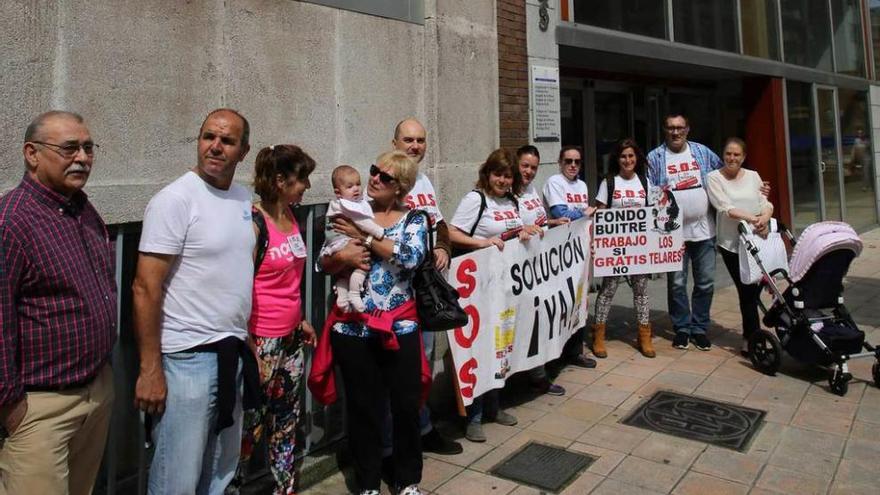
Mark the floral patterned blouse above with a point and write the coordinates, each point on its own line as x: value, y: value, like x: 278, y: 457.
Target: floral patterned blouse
x: 389, y: 283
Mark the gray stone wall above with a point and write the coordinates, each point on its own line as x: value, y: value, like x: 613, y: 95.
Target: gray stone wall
x: 144, y: 73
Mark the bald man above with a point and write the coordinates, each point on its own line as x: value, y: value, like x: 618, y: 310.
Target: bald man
x: 411, y: 138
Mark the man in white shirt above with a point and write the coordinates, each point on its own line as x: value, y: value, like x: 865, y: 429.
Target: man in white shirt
x: 192, y: 299
x: 683, y: 166
x: 411, y: 138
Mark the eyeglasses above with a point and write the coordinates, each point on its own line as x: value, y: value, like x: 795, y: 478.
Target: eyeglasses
x: 676, y: 129
x: 569, y: 161
x: 69, y: 151
x: 384, y: 177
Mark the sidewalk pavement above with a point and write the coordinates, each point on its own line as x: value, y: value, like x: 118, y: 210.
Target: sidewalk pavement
x: 813, y: 442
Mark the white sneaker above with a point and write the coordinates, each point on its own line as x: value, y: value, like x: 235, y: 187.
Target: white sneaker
x: 411, y: 490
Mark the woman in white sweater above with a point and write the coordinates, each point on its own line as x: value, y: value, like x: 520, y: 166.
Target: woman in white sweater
x: 735, y: 193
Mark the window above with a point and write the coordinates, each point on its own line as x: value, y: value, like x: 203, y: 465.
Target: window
x: 849, y: 47
x: 708, y: 23
x: 645, y: 17
x: 403, y: 10
x: 874, y: 8
x: 760, y: 28
x: 806, y: 33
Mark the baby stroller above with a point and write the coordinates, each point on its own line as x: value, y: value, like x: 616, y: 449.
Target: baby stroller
x: 811, y: 322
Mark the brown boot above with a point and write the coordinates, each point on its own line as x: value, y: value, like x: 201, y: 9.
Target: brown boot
x: 645, y: 345
x: 599, y: 340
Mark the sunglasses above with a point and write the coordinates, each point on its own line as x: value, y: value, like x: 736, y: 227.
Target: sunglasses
x: 384, y: 177
x: 569, y: 161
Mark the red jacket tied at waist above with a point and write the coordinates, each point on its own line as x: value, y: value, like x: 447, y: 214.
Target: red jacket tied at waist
x: 322, y: 381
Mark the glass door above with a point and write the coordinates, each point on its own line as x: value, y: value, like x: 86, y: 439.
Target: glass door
x: 611, y: 122
x: 829, y: 153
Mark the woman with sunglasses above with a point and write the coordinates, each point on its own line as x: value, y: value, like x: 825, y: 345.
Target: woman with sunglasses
x: 486, y: 217
x: 568, y: 197
x: 379, y: 363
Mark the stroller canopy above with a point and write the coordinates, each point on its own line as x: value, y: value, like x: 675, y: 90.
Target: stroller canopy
x: 819, y: 239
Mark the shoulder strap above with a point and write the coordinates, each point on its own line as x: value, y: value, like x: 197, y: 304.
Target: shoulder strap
x: 262, y: 238
x: 479, y: 212
x: 609, y: 185
x: 644, y: 180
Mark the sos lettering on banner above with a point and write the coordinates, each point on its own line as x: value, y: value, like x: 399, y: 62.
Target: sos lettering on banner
x: 523, y: 304
x: 635, y: 241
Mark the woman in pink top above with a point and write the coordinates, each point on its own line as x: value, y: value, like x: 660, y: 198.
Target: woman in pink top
x: 281, y: 176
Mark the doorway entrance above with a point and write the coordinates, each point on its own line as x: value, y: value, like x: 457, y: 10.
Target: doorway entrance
x: 831, y: 166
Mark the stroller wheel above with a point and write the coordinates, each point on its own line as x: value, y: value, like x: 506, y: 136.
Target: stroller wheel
x: 839, y: 386
x: 765, y: 352
x: 875, y: 370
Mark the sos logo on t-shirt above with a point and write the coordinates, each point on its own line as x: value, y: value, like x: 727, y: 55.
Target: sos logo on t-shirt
x: 683, y: 171
x: 628, y: 198
x: 574, y: 198
x: 423, y: 197
x: 509, y: 218
x: 533, y: 209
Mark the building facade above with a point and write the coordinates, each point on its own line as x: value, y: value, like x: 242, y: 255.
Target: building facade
x: 796, y: 79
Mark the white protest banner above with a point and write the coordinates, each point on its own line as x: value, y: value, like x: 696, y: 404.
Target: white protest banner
x: 523, y: 302
x: 634, y: 241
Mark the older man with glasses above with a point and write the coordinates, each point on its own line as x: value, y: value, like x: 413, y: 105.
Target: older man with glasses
x: 683, y: 165
x: 58, y: 316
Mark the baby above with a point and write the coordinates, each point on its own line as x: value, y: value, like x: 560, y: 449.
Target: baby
x: 350, y: 204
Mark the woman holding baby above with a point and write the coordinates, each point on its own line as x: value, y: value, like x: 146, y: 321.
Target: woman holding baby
x: 379, y: 350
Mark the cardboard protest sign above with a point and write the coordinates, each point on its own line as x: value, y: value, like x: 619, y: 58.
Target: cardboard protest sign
x: 523, y: 302
x: 635, y: 241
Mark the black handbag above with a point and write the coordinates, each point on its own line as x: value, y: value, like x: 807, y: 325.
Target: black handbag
x: 436, y: 300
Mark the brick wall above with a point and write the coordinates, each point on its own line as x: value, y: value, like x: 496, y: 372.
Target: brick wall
x: 513, y: 74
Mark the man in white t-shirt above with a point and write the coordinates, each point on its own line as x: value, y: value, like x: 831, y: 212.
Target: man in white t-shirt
x: 192, y: 299
x: 411, y: 138
x: 683, y: 166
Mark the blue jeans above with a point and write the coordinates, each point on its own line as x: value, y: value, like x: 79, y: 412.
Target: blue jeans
x: 692, y: 317
x: 190, y: 458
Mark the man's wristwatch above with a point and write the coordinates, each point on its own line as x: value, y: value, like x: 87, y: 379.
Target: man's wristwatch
x: 368, y: 243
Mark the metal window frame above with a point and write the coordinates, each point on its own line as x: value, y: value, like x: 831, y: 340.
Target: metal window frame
x: 412, y: 11
x: 613, y: 41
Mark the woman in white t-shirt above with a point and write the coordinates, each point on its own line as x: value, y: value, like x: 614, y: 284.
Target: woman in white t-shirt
x: 565, y: 194
x: 486, y: 217
x: 735, y: 193
x: 628, y: 190
x: 532, y: 212
x: 567, y: 197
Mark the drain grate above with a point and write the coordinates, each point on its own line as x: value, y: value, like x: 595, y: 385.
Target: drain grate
x: 695, y: 418
x: 543, y: 466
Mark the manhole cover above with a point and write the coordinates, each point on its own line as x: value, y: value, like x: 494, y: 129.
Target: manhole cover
x: 542, y: 466
x: 695, y: 418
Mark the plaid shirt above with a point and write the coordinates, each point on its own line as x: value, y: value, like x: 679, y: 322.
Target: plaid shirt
x: 57, y: 291
x: 706, y: 158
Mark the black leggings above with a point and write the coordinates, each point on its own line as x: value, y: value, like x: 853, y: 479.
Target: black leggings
x: 370, y: 376
x: 748, y: 294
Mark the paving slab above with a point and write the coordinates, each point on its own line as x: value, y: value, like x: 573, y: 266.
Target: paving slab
x: 812, y: 441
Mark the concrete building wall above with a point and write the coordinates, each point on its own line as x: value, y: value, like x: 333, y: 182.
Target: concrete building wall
x: 543, y: 51
x: 144, y: 74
